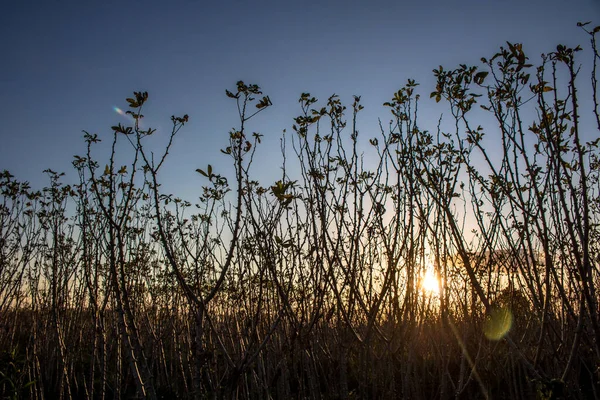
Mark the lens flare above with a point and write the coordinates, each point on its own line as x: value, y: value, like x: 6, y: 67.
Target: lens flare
x: 122, y: 113
x: 498, y: 323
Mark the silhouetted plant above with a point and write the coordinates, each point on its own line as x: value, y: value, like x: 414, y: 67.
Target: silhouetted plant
x: 312, y: 286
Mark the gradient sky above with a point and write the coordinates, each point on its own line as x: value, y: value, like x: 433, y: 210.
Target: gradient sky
x: 66, y: 64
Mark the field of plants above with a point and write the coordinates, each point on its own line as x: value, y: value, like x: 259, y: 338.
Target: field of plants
x: 411, y: 264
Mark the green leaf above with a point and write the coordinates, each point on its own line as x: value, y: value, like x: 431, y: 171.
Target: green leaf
x: 201, y: 172
x: 28, y: 384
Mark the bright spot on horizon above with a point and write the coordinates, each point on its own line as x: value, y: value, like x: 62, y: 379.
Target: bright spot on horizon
x: 430, y: 283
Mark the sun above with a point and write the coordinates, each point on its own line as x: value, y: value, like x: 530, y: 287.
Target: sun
x: 430, y: 284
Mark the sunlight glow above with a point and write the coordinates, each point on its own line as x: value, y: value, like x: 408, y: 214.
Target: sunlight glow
x: 430, y: 284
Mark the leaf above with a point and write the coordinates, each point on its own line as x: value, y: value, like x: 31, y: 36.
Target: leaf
x: 511, y: 47
x: 28, y: 384
x: 257, y: 136
x: 201, y: 172
x: 480, y: 77
x: 265, y: 102
x: 107, y: 170
x: 547, y: 89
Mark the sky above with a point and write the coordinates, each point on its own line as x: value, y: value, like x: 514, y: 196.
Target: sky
x: 65, y: 65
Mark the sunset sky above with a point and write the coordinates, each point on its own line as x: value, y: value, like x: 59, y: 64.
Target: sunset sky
x: 65, y: 65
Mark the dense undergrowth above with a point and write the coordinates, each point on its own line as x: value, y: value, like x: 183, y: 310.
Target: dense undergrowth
x: 312, y: 286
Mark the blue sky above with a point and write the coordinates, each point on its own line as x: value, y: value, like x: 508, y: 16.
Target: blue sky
x: 66, y: 64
